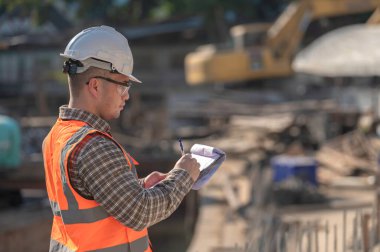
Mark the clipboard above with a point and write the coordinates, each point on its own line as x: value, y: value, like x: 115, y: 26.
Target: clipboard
x: 210, y: 159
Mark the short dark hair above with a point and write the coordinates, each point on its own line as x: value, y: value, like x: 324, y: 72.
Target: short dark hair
x: 78, y: 80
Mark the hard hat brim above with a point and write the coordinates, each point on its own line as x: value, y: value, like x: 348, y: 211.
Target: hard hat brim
x: 133, y: 78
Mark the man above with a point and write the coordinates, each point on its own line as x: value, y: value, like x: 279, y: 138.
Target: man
x: 98, y: 202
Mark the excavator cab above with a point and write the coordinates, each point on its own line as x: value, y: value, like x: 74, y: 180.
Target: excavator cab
x: 249, y: 35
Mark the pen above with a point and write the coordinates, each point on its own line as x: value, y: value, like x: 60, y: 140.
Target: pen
x: 181, y: 145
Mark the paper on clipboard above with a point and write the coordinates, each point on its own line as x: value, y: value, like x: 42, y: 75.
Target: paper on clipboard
x: 210, y: 159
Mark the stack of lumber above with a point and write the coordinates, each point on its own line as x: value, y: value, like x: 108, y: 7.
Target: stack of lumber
x: 352, y: 154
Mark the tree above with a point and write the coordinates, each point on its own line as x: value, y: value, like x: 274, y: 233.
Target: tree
x: 34, y: 8
x: 218, y: 15
x: 213, y: 12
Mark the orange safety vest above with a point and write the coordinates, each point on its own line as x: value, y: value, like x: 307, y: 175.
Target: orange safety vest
x: 80, y: 224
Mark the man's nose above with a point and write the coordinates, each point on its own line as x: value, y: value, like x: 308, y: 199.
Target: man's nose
x: 125, y: 97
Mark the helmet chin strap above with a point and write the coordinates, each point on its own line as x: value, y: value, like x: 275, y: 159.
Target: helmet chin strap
x: 75, y: 66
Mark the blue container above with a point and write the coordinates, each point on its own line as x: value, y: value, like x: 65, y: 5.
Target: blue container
x: 302, y: 167
x: 10, y: 140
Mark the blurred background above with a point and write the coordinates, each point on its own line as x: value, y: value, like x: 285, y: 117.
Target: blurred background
x: 288, y: 89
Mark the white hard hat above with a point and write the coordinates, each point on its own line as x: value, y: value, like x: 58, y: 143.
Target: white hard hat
x: 102, y: 47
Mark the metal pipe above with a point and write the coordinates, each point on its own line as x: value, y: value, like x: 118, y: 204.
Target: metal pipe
x: 300, y: 240
x: 378, y: 202
x: 335, y: 238
x: 316, y: 234
x: 373, y: 227
x: 344, y: 230
x: 286, y: 236
x: 327, y: 236
x: 309, y: 237
x: 278, y: 240
x: 354, y: 235
x: 365, y: 232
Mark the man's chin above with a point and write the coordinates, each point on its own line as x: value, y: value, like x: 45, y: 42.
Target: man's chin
x: 116, y: 115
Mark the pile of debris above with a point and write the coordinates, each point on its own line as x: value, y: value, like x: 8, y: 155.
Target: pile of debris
x: 349, y: 160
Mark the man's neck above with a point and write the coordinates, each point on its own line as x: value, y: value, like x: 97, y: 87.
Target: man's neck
x: 73, y: 103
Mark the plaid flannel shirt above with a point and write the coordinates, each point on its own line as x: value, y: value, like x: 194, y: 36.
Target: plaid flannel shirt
x: 98, y: 170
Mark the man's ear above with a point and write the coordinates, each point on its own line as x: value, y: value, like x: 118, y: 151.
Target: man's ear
x: 93, y: 87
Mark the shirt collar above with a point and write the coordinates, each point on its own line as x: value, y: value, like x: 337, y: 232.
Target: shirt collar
x: 94, y: 121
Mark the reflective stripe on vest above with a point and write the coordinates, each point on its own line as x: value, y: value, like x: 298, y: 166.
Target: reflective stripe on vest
x: 74, y: 216
x: 138, y: 245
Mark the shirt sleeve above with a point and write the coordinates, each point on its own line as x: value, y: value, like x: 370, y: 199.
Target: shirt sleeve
x: 141, y: 182
x: 107, y: 177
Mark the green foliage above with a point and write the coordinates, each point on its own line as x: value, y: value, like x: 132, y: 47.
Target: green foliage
x: 129, y: 12
x: 134, y: 11
x: 27, y: 4
x: 89, y: 9
x: 35, y: 8
x: 194, y: 7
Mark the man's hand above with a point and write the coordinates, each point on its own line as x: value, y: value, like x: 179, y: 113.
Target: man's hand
x: 189, y: 164
x: 153, y: 178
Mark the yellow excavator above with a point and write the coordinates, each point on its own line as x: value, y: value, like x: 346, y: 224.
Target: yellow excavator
x: 262, y: 50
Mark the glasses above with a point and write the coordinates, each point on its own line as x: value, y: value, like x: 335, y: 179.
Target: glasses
x: 122, y: 88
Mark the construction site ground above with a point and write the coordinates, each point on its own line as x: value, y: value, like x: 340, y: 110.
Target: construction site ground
x: 222, y: 227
